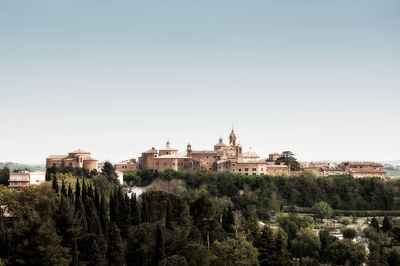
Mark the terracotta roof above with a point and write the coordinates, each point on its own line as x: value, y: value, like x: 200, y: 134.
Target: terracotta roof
x: 172, y: 156
x: 205, y: 151
x: 250, y: 154
x: 57, y: 157
x: 151, y: 151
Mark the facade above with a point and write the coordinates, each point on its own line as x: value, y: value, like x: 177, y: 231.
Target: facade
x: 19, y: 180
x: 224, y: 157
x: 77, y: 158
x: 363, y: 169
x: 356, y: 169
x: 130, y: 165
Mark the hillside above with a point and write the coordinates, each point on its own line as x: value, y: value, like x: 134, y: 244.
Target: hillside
x: 392, y: 170
x: 13, y: 166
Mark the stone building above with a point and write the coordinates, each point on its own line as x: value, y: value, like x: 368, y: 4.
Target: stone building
x: 224, y: 157
x: 130, y: 165
x: 363, y: 169
x: 77, y: 158
x: 19, y: 179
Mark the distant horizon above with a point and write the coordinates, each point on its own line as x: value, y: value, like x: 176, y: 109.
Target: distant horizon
x: 319, y: 78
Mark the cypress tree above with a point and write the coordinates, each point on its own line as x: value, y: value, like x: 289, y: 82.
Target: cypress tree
x: 55, y: 183
x: 228, y: 220
x: 103, y: 216
x: 168, y: 216
x: 265, y: 245
x: 115, y: 252
x: 70, y: 196
x: 96, y: 198
x: 124, y: 213
x: 375, y: 224
x: 77, y: 194
x: 387, y: 224
x: 159, y: 252
x: 135, y: 214
x: 63, y: 189
x: 84, y: 190
x: 114, y: 207
x: 90, y: 192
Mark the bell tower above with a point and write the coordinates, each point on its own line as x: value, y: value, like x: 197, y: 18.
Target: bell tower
x: 232, y: 138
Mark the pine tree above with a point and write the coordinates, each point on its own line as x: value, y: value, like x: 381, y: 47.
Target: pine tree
x: 159, y: 252
x: 63, y: 189
x: 37, y: 243
x: 115, y: 252
x: 265, y: 245
x: 55, y: 183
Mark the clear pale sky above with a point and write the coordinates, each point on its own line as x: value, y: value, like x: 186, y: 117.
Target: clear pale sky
x: 115, y: 77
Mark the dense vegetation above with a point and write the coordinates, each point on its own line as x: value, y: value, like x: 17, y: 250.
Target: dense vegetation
x: 202, y: 218
x: 266, y: 193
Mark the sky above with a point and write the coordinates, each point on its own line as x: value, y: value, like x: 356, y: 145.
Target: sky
x: 117, y: 77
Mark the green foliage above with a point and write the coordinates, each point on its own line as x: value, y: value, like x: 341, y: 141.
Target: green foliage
x: 37, y: 243
x: 287, y: 158
x: 235, y: 252
x: 306, y: 244
x: 375, y: 224
x: 115, y: 252
x: 349, y: 233
x: 345, y: 252
x: 4, y: 176
x: 322, y: 210
x: 174, y: 260
x: 387, y: 224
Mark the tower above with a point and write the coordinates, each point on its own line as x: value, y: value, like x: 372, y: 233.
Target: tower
x: 189, y: 150
x: 232, y: 138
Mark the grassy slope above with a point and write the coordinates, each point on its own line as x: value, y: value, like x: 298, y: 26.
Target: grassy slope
x: 13, y: 166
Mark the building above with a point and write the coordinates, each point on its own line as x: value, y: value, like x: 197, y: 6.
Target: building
x: 19, y: 179
x: 356, y: 169
x: 77, y: 158
x: 130, y: 165
x: 363, y: 169
x: 25, y: 178
x: 224, y: 157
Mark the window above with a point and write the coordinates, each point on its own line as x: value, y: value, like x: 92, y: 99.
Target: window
x: 165, y: 163
x: 240, y: 169
x: 254, y: 169
x: 254, y: 174
x: 167, y: 152
x: 246, y: 174
x: 262, y: 169
x: 246, y: 169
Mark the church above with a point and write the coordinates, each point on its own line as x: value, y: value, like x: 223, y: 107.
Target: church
x: 224, y: 157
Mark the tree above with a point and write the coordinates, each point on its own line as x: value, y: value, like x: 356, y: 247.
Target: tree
x: 235, y: 252
x: 109, y: 171
x: 375, y: 224
x: 322, y: 210
x: 196, y: 254
x: 387, y: 224
x: 4, y: 176
x: 55, y: 184
x: 349, y: 233
x: 228, y: 220
x: 159, y: 252
x: 287, y: 158
x: 345, y: 252
x: 174, y: 260
x: 70, y: 196
x: 37, y: 243
x: 265, y: 245
x: 306, y: 244
x: 63, y: 189
x: 115, y: 250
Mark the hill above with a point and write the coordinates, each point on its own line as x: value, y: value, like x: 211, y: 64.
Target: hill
x: 13, y: 166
